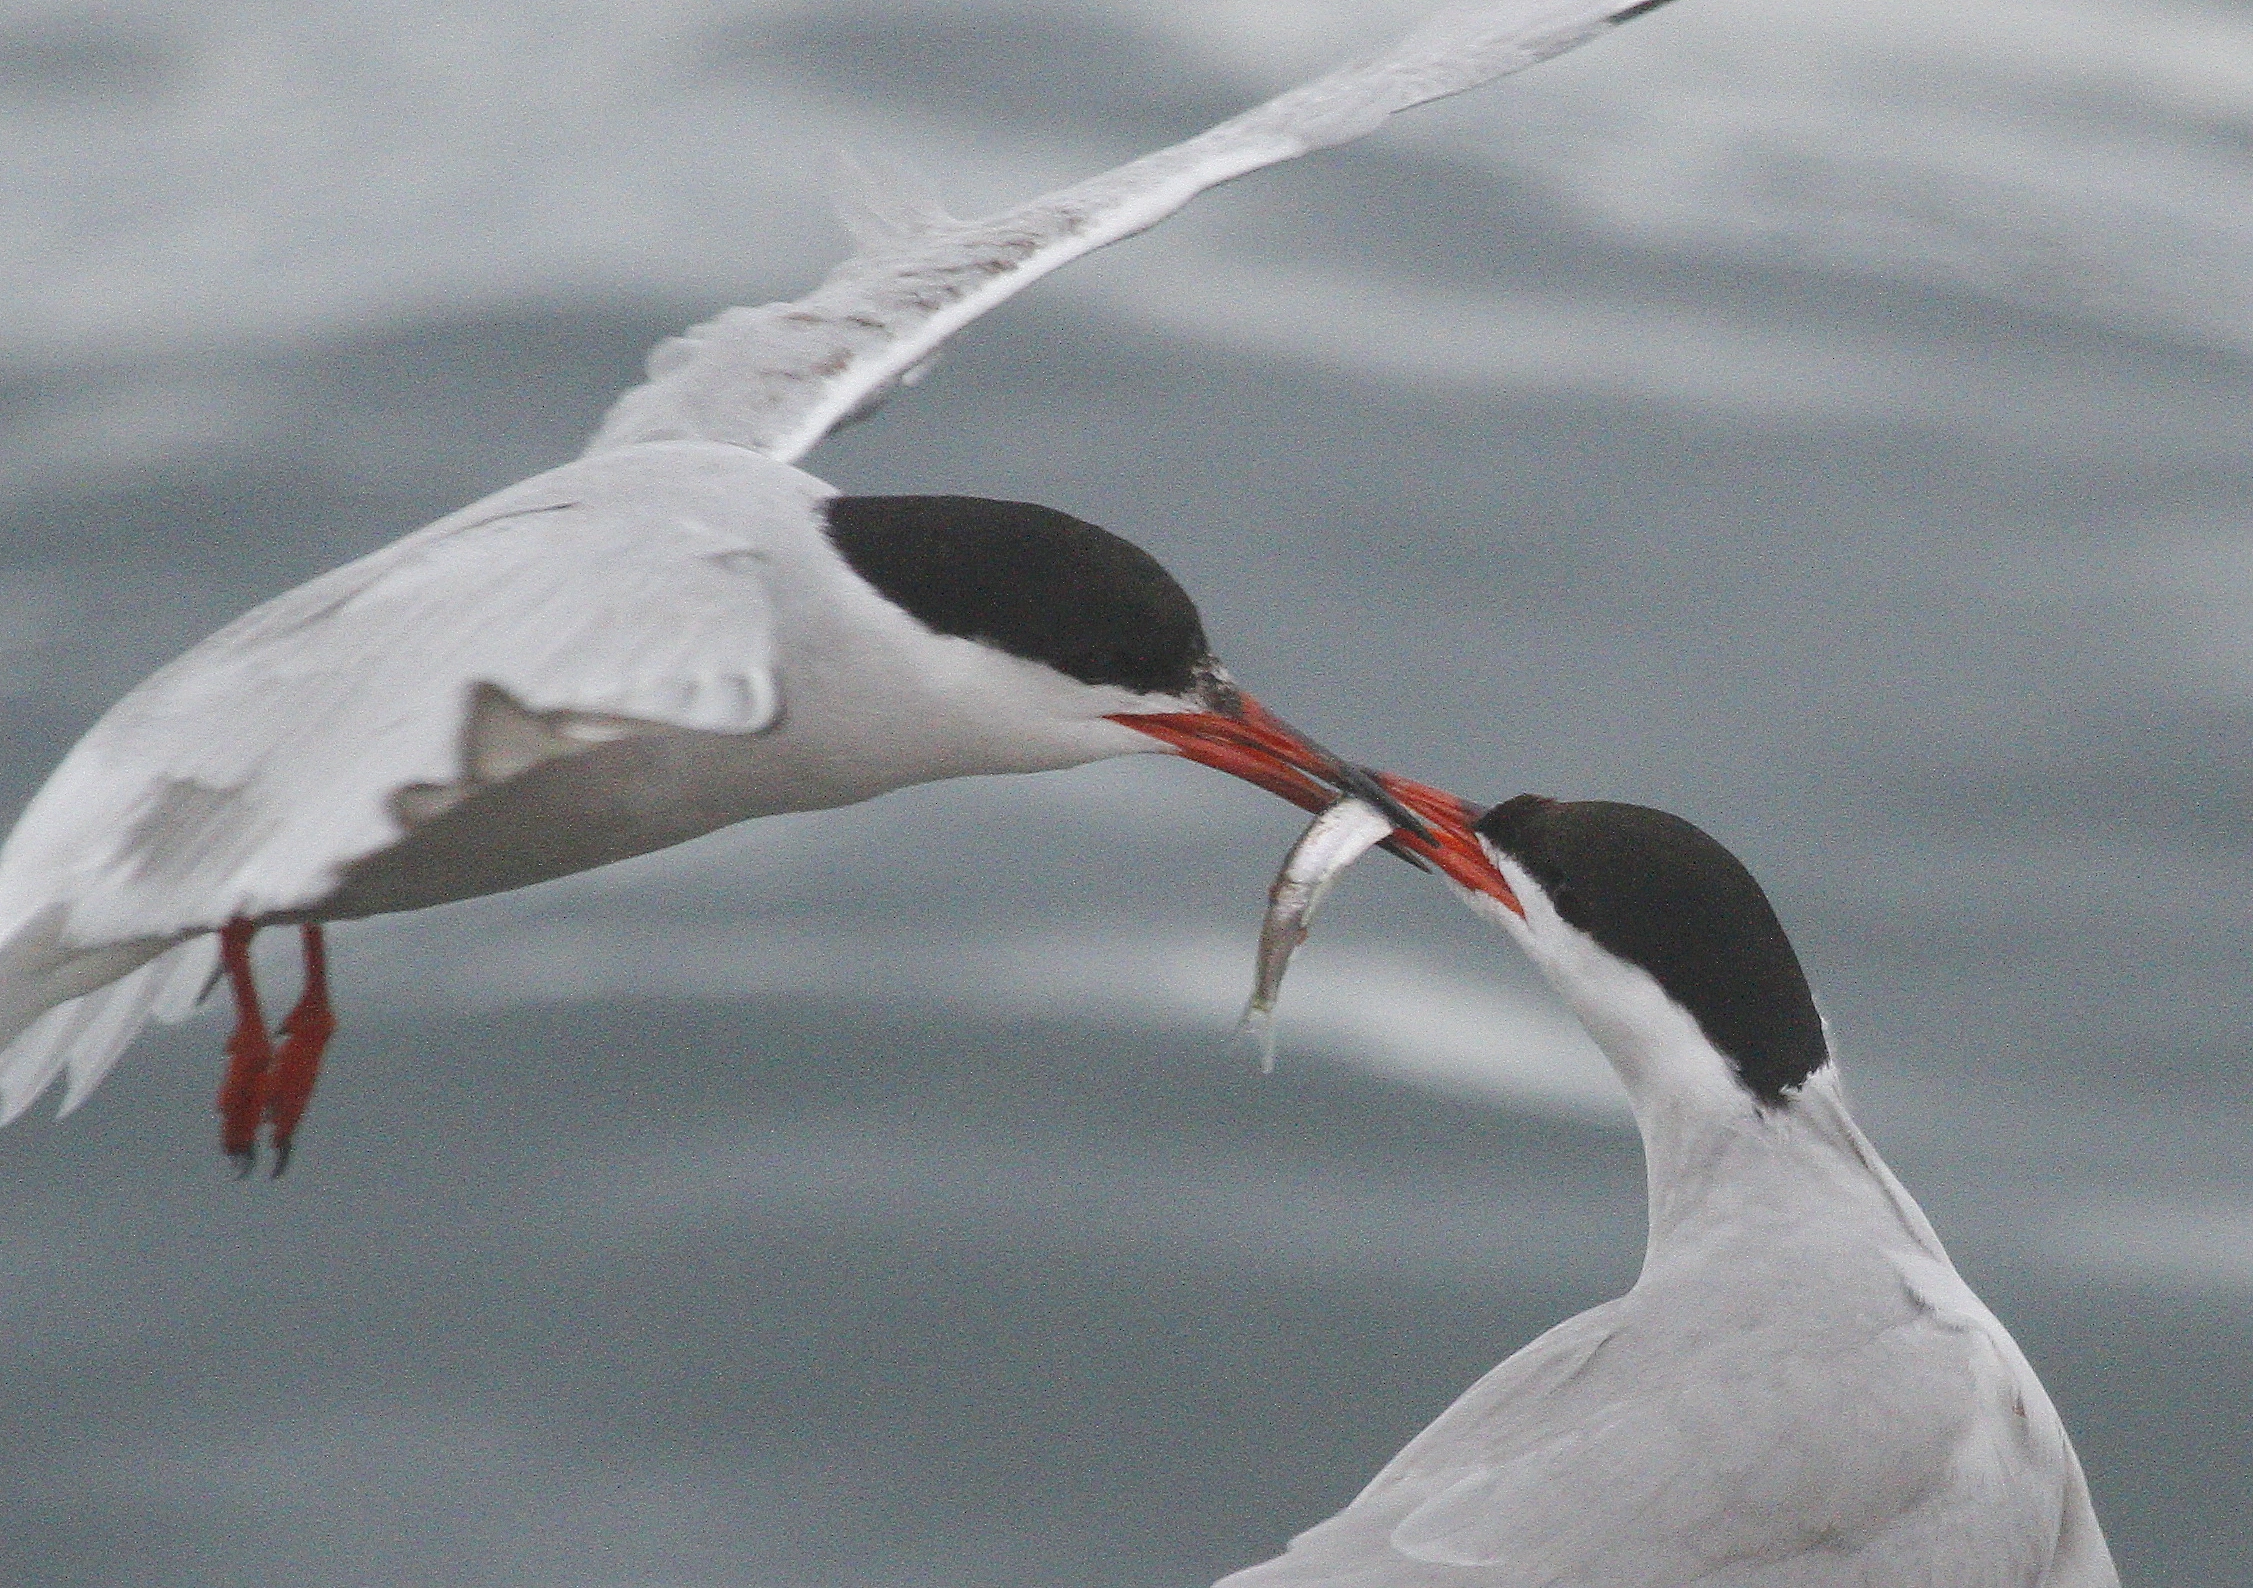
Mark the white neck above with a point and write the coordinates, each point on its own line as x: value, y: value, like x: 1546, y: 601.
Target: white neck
x: 1715, y: 1156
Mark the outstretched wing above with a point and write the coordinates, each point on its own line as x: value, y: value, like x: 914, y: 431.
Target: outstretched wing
x: 615, y: 598
x: 780, y: 377
x: 591, y: 603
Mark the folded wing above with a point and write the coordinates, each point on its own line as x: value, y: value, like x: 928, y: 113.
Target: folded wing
x: 1928, y: 1442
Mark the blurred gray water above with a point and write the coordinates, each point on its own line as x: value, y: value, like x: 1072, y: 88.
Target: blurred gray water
x: 1829, y: 427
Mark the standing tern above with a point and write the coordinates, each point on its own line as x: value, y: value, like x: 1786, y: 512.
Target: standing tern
x: 1800, y: 1391
x: 676, y: 631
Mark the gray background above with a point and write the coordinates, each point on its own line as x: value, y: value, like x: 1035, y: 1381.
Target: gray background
x: 1824, y: 420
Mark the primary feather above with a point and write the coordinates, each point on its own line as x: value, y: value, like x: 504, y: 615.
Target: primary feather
x: 781, y: 376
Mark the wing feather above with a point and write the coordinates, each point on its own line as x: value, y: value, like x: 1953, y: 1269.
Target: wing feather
x: 86, y: 1035
x: 1780, y: 1462
x: 589, y: 604
x: 614, y: 597
x: 779, y: 377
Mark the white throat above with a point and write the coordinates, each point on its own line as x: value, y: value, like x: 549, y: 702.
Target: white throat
x: 1660, y: 1053
x: 1713, y: 1153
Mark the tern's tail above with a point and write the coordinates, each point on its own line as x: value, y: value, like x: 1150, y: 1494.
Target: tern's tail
x: 77, y: 1014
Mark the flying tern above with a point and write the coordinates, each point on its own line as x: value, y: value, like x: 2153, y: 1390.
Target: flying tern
x: 676, y: 631
x: 1800, y: 1391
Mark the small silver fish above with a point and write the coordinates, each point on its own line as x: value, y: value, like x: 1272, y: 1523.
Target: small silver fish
x: 1332, y: 842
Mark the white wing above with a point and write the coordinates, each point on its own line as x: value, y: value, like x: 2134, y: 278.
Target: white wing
x: 1600, y: 1461
x: 779, y: 377
x: 610, y: 598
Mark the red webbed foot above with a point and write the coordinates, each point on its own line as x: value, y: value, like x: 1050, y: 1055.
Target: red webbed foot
x: 305, y: 1036
x: 266, y: 1083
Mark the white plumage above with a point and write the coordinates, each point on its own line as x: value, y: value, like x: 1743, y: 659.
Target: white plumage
x: 624, y: 652
x: 1799, y: 1391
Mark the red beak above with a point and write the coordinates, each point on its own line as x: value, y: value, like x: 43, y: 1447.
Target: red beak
x: 1453, y: 842
x: 1256, y: 745
x: 1247, y: 740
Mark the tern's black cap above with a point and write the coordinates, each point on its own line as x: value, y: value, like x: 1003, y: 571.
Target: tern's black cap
x: 1030, y: 581
x: 1660, y: 894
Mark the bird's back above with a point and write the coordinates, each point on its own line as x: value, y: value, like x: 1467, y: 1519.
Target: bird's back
x: 1760, y: 1411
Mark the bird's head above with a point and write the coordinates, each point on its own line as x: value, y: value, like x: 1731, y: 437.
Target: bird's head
x: 1102, y: 613
x: 1661, y: 941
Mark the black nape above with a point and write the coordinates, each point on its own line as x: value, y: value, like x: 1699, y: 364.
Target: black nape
x: 1659, y: 893
x: 1030, y: 581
